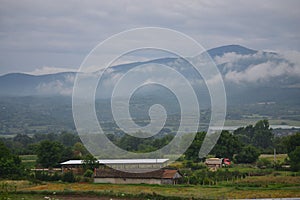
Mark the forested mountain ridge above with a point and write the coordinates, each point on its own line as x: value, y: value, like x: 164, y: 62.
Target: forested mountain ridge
x: 257, y: 83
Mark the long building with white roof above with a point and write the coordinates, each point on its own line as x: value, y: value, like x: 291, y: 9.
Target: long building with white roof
x: 125, y: 164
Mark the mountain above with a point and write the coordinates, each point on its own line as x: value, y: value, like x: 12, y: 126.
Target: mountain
x: 19, y: 84
x: 220, y: 51
x: 250, y: 76
x: 257, y: 83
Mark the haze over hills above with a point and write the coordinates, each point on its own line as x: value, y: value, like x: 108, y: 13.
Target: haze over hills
x: 256, y: 82
x: 257, y: 76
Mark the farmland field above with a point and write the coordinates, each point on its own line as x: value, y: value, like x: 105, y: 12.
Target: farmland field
x: 269, y: 183
x: 269, y: 186
x: 270, y: 157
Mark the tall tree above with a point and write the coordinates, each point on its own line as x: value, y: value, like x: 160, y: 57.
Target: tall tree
x: 293, y: 142
x: 68, y: 139
x: 192, y: 153
x: 263, y: 135
x: 248, y: 154
x: 90, y: 162
x: 23, y: 139
x: 49, y: 153
x: 295, y: 159
x: 227, y: 145
x: 293, y: 148
x: 245, y: 134
x: 79, y: 149
x: 260, y: 135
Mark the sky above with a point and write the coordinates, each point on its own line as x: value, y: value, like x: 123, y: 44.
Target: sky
x: 40, y: 37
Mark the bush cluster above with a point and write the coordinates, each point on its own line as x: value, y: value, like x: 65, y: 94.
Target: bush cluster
x: 64, y: 177
x: 206, y: 177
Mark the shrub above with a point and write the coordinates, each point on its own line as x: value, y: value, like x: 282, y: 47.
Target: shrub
x: 44, y: 176
x: 264, y: 163
x: 68, y: 177
x: 5, y: 189
x: 10, y: 165
x: 206, y: 177
x: 88, y: 173
x: 207, y: 181
x: 295, y: 159
x: 195, y: 165
x: 193, y: 180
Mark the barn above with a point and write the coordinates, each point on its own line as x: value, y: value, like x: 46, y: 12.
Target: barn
x: 128, y: 171
x: 161, y: 176
x: 121, y: 164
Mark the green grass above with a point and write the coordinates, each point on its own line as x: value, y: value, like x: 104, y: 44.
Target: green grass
x: 23, y: 196
x: 28, y: 157
x: 270, y: 157
x: 29, y: 160
x: 255, y: 189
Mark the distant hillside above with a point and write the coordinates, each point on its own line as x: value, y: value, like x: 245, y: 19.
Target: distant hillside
x: 250, y: 76
x: 220, y: 51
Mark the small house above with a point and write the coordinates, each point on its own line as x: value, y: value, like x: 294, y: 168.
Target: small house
x: 213, y: 163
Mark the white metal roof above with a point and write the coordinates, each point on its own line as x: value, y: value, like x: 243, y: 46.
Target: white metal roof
x: 119, y: 161
x: 133, y: 161
x: 72, y: 162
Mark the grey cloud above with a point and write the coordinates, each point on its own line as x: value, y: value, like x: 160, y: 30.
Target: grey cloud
x: 62, y: 87
x: 50, y: 70
x: 63, y: 28
x: 259, y: 67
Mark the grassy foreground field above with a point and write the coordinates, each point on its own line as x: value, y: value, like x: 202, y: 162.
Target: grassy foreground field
x: 250, y: 187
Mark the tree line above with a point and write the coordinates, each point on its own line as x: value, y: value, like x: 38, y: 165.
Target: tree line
x: 244, y: 145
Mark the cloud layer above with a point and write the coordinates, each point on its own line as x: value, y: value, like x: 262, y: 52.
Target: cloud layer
x: 61, y: 33
x: 259, y: 67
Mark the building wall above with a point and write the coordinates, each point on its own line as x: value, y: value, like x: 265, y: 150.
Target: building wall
x: 127, y: 181
x: 168, y: 181
x: 214, y: 165
x: 137, y: 166
x: 75, y: 170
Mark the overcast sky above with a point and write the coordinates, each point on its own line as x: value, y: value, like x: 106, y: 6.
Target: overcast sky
x: 51, y: 36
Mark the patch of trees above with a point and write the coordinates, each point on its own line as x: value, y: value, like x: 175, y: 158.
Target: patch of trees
x: 227, y: 146
x: 248, y: 154
x: 23, y: 144
x: 246, y: 143
x: 243, y: 145
x: 135, y: 144
x: 51, y: 153
x: 52, y: 149
x: 192, y: 153
x: 38, y: 176
x: 260, y: 135
x: 10, y: 164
